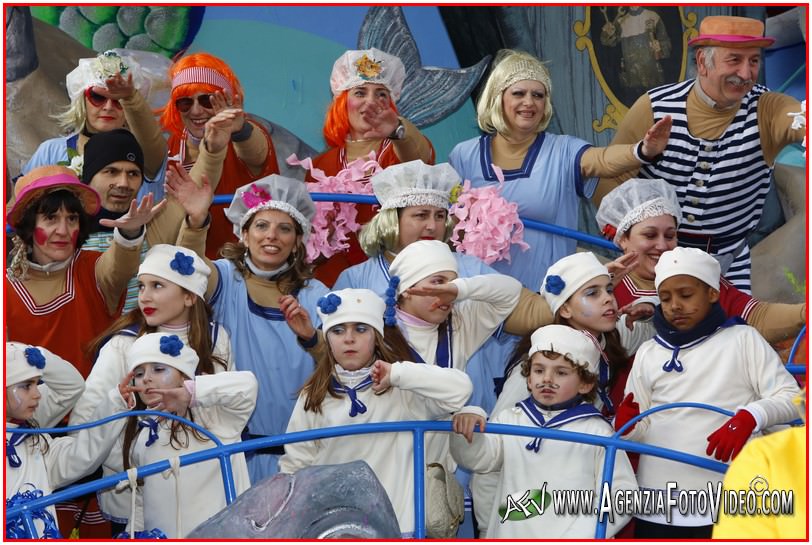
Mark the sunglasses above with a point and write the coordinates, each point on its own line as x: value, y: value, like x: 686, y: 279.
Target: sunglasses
x: 185, y: 104
x: 98, y: 100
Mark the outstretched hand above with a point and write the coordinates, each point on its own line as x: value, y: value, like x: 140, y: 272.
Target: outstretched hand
x: 381, y: 118
x: 117, y: 87
x: 218, y: 129
x: 622, y: 266
x: 297, y: 318
x: 195, y: 199
x: 137, y: 216
x: 656, y: 138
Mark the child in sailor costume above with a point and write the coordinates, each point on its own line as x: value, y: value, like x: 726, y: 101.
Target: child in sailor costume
x: 561, y: 376
x: 370, y: 381
x: 702, y: 356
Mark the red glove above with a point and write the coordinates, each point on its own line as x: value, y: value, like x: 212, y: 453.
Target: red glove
x: 627, y: 410
x: 728, y: 440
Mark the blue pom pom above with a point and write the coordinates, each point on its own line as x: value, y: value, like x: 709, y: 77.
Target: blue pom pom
x: 391, y: 321
x: 390, y: 311
x: 171, y: 345
x: 554, y: 284
x: 183, y: 264
x: 390, y: 293
x: 394, y: 282
x: 34, y: 357
x: 329, y: 303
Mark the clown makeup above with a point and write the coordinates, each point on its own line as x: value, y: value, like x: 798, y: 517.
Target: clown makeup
x: 55, y: 236
x: 420, y: 306
x: 150, y: 376
x: 22, y: 399
x: 352, y: 345
x: 593, y: 307
x: 553, y: 379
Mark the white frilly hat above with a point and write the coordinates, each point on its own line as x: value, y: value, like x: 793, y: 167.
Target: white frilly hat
x: 567, y: 341
x: 691, y: 261
x: 415, y: 183
x: 149, y: 72
x: 178, y: 265
x: 351, y: 305
x: 419, y: 260
x: 272, y: 192
x: 567, y: 275
x: 633, y: 201
x: 357, y: 67
x: 163, y: 348
x: 24, y: 362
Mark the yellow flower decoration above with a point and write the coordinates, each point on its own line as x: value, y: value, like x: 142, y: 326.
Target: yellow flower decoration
x: 454, y: 196
x: 368, y: 68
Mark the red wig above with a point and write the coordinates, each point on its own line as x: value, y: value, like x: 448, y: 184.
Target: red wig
x: 337, y: 121
x: 170, y: 118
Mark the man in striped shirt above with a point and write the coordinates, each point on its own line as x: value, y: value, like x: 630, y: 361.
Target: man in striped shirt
x: 727, y: 131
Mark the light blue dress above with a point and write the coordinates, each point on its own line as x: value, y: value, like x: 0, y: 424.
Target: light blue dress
x: 547, y: 188
x: 263, y: 343
x: 55, y: 150
x: 487, y: 363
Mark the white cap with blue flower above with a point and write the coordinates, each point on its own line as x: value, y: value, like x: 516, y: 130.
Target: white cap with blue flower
x: 567, y: 275
x: 178, y: 265
x: 24, y: 362
x: 162, y: 348
x: 351, y: 305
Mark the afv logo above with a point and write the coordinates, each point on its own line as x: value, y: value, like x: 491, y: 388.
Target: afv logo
x: 530, y: 504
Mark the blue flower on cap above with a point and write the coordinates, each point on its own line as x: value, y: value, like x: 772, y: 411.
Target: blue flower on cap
x: 171, y: 345
x: 391, y: 301
x: 554, y: 284
x: 34, y: 357
x: 183, y: 264
x: 329, y: 303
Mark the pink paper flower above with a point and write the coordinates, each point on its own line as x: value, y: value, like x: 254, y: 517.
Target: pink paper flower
x: 255, y: 196
x: 490, y: 223
x: 334, y: 222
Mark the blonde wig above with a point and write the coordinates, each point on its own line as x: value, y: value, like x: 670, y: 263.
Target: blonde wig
x: 382, y: 232
x: 510, y: 67
x: 73, y: 119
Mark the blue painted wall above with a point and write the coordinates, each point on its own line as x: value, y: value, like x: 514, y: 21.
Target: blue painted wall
x: 283, y: 56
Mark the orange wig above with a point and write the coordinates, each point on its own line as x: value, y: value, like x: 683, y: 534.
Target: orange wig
x: 170, y: 117
x: 337, y: 121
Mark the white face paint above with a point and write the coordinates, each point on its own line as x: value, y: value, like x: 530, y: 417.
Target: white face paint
x: 154, y: 376
x: 22, y: 399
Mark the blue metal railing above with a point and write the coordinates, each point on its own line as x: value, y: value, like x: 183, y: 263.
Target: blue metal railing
x: 417, y: 428
x: 532, y: 224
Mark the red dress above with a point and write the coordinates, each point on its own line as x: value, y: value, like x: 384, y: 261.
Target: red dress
x: 66, y: 324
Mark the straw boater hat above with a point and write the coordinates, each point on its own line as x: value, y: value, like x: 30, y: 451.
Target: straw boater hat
x: 729, y: 31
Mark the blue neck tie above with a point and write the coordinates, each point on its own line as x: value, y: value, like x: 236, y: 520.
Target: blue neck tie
x: 356, y: 405
x: 152, y: 424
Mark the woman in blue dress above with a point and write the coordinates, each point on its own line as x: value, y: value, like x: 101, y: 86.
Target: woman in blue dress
x: 545, y: 173
x: 259, y: 291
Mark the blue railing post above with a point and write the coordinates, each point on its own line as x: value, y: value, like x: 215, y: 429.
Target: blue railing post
x: 419, y: 485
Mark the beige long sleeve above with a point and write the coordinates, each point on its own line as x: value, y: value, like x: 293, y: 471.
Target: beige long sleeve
x: 531, y: 313
x: 144, y: 126
x: 777, y: 321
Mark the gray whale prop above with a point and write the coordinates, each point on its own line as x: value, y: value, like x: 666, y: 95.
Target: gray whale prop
x: 329, y: 501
